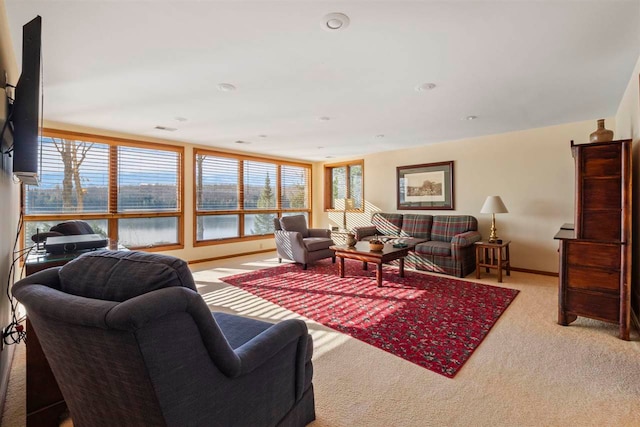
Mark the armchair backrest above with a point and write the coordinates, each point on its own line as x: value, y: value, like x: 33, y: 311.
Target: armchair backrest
x: 296, y: 223
x: 73, y: 227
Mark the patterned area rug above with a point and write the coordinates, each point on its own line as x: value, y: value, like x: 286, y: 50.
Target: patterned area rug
x: 435, y: 322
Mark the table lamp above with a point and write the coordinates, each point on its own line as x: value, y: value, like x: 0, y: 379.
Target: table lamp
x: 493, y: 205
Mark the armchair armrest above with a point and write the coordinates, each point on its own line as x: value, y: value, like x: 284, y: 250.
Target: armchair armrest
x: 362, y: 232
x: 291, y: 245
x: 269, y: 343
x: 319, y: 232
x: 465, y: 239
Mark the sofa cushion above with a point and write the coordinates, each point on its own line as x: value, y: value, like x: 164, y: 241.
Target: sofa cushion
x: 416, y: 225
x: 387, y: 224
x: 297, y: 223
x: 434, y: 248
x: 121, y: 275
x: 446, y: 226
x: 317, y: 243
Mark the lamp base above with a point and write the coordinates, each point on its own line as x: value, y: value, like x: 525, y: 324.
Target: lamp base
x: 493, y: 238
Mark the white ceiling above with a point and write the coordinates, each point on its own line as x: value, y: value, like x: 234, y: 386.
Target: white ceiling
x: 132, y: 65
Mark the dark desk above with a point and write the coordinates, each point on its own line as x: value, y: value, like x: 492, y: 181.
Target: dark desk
x: 45, y: 404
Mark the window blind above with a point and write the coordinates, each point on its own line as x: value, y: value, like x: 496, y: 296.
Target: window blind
x: 148, y: 180
x: 217, y: 187
x: 74, y: 178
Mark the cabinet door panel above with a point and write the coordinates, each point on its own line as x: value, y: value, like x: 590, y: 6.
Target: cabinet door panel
x: 594, y: 254
x: 603, y: 193
x: 603, y: 307
x: 603, y: 160
x: 594, y: 279
x: 604, y: 225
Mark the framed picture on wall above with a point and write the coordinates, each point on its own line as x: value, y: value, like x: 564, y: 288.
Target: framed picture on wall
x: 427, y: 186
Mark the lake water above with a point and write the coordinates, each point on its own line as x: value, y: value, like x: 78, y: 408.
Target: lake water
x: 141, y: 232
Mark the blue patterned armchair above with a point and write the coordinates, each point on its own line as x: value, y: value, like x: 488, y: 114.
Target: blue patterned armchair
x: 131, y: 342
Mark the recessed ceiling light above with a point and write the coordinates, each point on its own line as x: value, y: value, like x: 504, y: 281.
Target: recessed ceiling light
x: 380, y: 136
x: 226, y: 87
x: 168, y: 129
x: 180, y: 119
x: 335, y: 22
x: 329, y: 157
x: 242, y: 142
x: 471, y: 117
x: 324, y: 118
x: 425, y: 87
x: 320, y: 148
x: 262, y: 136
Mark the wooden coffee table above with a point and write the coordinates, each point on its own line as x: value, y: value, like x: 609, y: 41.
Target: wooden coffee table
x: 361, y: 252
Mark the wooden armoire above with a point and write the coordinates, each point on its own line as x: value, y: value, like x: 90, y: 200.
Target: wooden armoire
x: 595, y: 256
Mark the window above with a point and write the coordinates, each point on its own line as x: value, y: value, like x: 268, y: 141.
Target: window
x: 238, y: 197
x: 344, y: 181
x: 116, y: 185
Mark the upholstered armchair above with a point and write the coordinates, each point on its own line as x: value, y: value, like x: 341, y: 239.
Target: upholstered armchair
x: 296, y: 242
x: 131, y: 342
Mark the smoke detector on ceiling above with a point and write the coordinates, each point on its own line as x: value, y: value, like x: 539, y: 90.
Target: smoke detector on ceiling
x: 335, y: 22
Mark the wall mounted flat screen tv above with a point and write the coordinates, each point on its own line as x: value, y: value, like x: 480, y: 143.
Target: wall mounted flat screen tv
x: 25, y: 116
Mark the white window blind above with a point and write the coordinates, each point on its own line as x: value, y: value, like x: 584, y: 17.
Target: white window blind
x: 74, y: 178
x: 217, y: 187
x: 294, y: 187
x: 148, y: 180
x: 260, y: 191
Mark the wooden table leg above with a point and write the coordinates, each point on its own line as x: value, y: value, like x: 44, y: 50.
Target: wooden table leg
x: 364, y: 265
x: 508, y: 260
x: 486, y: 258
x: 379, y: 274
x: 499, y: 250
x: 478, y: 253
x: 341, y: 267
x: 401, y: 267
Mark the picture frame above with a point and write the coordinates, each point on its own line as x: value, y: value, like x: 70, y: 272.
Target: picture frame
x: 427, y: 186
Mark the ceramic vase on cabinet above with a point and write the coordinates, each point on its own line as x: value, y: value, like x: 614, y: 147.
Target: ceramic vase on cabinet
x: 601, y: 134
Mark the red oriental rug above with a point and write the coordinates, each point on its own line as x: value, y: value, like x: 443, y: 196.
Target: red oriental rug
x: 436, y: 322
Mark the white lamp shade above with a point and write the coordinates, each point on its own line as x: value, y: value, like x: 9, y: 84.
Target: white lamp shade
x: 493, y: 204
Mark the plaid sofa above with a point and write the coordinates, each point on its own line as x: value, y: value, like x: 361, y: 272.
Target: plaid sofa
x: 441, y: 243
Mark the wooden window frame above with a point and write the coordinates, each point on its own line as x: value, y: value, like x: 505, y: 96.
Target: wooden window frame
x: 112, y: 215
x: 241, y: 212
x: 328, y: 185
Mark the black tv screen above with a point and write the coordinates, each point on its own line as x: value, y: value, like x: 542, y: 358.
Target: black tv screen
x: 25, y: 116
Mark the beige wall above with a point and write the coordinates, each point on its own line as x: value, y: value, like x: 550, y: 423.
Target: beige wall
x: 531, y: 170
x: 628, y: 126
x: 9, y: 195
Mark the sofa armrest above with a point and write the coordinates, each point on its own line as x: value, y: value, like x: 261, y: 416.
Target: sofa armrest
x: 465, y: 239
x: 362, y: 232
x: 319, y: 232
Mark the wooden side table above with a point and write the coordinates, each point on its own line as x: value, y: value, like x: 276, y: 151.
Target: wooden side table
x: 493, y: 255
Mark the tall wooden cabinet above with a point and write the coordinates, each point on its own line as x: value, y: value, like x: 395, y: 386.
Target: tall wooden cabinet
x: 595, y: 257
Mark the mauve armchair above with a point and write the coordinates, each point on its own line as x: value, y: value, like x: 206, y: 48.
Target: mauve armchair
x: 296, y: 242
x: 131, y: 342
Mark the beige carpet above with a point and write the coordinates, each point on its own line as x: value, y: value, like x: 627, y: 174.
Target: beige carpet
x: 529, y: 371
